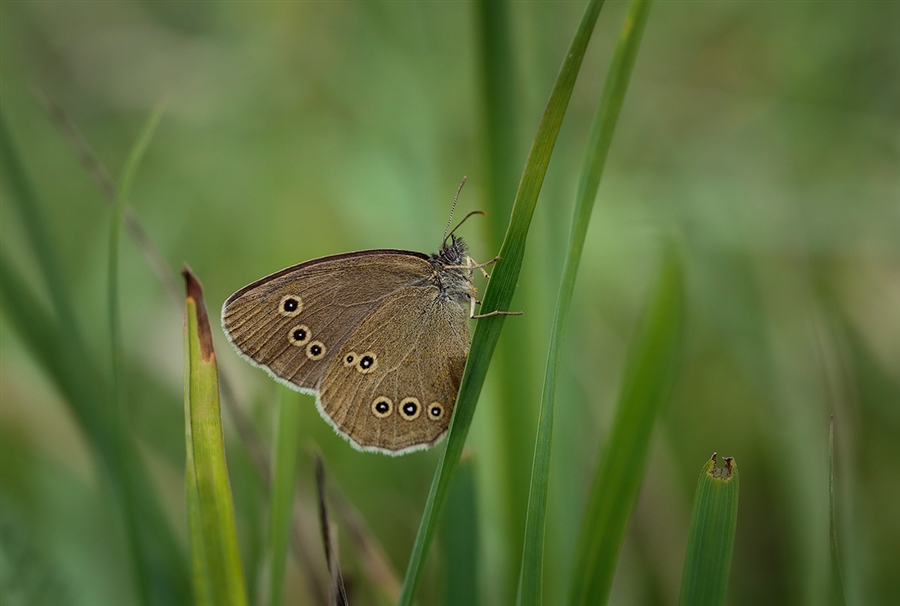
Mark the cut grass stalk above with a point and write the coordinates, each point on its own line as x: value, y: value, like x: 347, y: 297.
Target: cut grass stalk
x: 498, y: 296
x: 711, y: 536
x: 531, y: 573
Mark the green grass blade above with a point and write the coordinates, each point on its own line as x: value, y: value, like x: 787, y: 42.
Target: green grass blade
x: 502, y: 481
x: 461, y: 539
x: 498, y: 296
x: 648, y: 380
x: 36, y: 226
x: 199, y: 571
x: 838, y: 594
x: 711, y: 536
x: 531, y: 573
x: 119, y: 411
x: 124, y: 190
x: 214, y: 502
x: 281, y: 499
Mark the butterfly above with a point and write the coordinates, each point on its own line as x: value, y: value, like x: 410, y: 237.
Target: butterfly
x: 380, y: 337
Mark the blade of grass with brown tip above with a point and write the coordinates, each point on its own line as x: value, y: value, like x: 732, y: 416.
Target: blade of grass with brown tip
x: 219, y: 553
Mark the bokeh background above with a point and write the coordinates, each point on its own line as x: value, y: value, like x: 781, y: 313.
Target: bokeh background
x: 764, y: 136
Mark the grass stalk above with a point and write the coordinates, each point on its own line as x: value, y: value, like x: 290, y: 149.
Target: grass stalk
x: 711, y: 535
x: 648, y: 380
x: 602, y: 129
x: 498, y: 296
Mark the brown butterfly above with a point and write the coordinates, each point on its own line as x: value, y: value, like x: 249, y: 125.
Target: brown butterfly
x: 379, y: 336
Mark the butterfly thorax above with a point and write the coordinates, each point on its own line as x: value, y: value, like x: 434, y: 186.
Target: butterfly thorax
x: 451, y: 275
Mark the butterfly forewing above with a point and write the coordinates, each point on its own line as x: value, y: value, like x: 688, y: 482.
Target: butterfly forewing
x: 293, y: 322
x: 392, y: 385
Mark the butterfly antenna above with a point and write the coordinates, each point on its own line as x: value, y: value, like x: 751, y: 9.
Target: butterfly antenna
x: 453, y: 208
x: 474, y: 212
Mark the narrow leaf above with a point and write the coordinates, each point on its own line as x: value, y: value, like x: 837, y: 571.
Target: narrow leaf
x: 207, y: 446
x: 530, y: 576
x: 461, y: 539
x: 646, y: 387
x: 118, y: 410
x: 498, y: 296
x: 711, y: 536
x: 281, y: 499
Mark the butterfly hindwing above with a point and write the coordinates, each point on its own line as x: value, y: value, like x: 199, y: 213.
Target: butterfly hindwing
x: 392, y: 385
x: 293, y: 322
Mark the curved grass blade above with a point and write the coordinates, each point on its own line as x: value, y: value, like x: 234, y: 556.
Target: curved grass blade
x: 104, y: 182
x: 711, y: 536
x: 498, y: 295
x: 281, y: 497
x: 218, y: 553
x: 649, y: 377
x: 119, y: 408
x: 124, y: 191
x: 530, y: 576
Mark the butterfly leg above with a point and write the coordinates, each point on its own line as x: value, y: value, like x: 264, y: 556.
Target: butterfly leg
x: 472, y: 264
x: 473, y: 316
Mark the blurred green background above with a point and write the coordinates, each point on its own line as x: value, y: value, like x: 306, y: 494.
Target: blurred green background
x: 763, y: 135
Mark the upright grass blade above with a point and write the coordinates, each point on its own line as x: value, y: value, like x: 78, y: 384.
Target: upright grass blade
x: 711, y: 536
x: 502, y: 480
x: 530, y: 576
x: 200, y: 576
x: 118, y: 410
x: 498, y: 296
x: 124, y: 191
x: 838, y: 594
x: 281, y: 497
x: 647, y: 383
x: 461, y: 539
x: 219, y: 552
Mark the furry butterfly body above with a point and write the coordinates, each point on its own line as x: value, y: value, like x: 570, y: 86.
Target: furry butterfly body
x: 379, y: 336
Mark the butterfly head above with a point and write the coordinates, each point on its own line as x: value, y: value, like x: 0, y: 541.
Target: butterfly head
x: 451, y: 253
